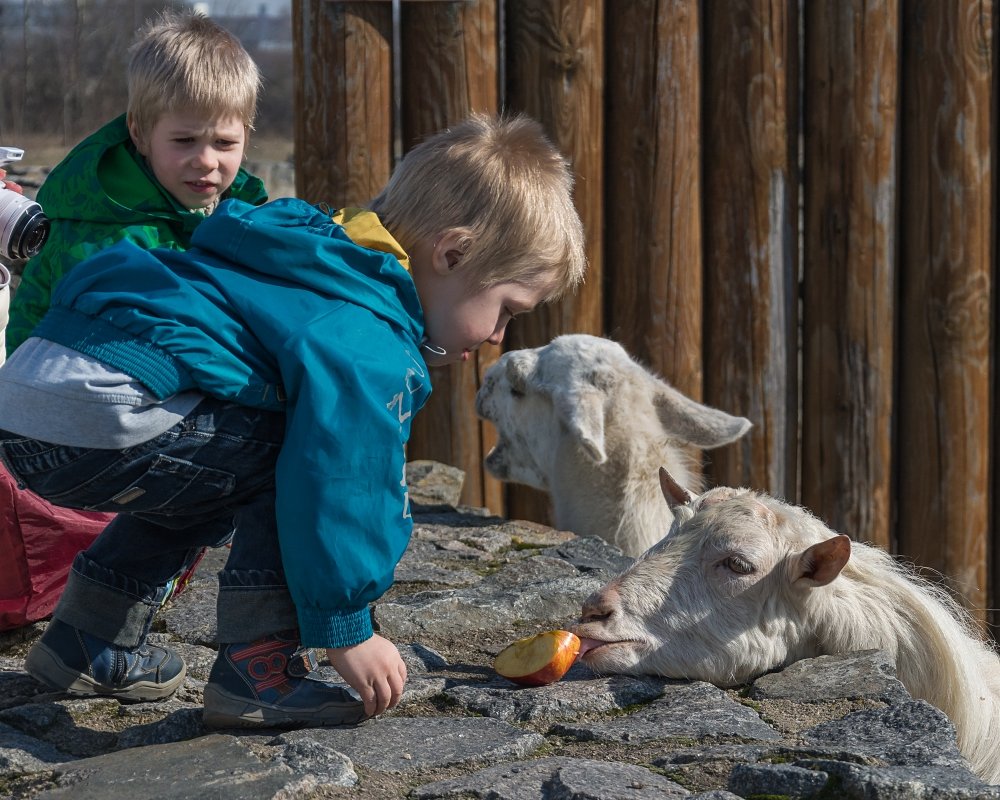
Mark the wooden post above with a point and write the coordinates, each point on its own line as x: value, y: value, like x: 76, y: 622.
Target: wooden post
x: 751, y: 224
x: 653, y: 229
x: 555, y: 70
x: 450, y: 69
x: 849, y: 309
x: 948, y: 214
x: 343, y: 100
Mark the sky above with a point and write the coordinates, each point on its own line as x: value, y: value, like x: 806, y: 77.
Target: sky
x: 246, y: 6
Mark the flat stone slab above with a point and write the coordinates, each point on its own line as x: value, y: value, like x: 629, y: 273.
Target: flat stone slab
x: 865, y: 675
x: 591, y: 554
x: 20, y: 753
x: 913, y: 733
x: 784, y: 779
x: 432, y: 483
x: 485, y: 606
x: 579, y: 692
x: 218, y: 765
x: 563, y: 778
x: 406, y: 744
x: 906, y: 783
x: 689, y: 710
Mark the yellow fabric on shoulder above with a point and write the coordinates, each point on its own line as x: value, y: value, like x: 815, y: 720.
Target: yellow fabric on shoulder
x: 366, y: 230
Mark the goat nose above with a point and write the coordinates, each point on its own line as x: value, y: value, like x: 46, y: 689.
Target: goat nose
x: 599, y: 606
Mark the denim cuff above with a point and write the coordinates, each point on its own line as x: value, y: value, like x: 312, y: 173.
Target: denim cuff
x: 252, y: 604
x: 126, y: 606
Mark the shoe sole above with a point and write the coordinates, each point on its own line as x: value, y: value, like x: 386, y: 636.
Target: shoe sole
x: 45, y: 666
x: 224, y: 710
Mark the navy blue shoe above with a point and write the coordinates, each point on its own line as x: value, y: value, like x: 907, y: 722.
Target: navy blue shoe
x: 265, y: 684
x: 75, y: 662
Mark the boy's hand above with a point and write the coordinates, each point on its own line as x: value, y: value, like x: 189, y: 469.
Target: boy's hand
x: 375, y: 671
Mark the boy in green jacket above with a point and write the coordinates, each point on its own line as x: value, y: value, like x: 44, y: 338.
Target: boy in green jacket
x: 151, y: 175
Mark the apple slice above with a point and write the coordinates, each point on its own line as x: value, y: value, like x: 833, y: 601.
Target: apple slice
x: 538, y: 660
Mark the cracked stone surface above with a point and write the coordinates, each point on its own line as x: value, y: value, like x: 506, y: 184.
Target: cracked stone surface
x: 470, y: 583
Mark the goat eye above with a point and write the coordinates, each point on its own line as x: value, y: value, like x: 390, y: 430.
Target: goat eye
x: 739, y: 565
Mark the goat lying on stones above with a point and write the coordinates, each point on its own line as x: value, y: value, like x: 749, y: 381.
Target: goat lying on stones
x: 581, y: 420
x: 744, y: 584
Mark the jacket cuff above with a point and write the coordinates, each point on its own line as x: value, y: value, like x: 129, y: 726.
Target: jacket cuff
x: 324, y: 628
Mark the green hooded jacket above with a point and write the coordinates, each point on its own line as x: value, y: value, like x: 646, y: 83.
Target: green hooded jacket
x: 101, y: 193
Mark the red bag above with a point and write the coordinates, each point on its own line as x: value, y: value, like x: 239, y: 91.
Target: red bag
x: 38, y: 542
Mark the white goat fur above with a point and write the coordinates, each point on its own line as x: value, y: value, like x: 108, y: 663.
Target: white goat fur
x: 744, y: 584
x: 579, y: 419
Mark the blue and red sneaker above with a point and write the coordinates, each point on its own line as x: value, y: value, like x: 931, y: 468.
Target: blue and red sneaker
x: 266, y: 684
x: 67, y: 659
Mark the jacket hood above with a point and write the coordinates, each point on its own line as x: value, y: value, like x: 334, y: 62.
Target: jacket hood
x: 291, y: 240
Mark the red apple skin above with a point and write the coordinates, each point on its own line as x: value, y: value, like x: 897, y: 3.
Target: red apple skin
x: 564, y: 646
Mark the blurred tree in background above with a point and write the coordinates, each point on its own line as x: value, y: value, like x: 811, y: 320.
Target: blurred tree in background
x: 63, y: 65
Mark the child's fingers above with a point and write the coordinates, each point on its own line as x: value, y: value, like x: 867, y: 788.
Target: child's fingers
x: 368, y: 696
x: 384, y: 690
x: 397, y: 680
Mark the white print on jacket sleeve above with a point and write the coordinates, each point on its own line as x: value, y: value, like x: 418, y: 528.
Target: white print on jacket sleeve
x: 414, y: 381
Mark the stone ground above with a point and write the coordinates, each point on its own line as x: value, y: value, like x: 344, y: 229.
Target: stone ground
x: 837, y: 726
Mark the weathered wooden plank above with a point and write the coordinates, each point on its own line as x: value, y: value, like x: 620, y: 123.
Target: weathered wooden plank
x: 849, y: 262
x: 343, y: 100
x: 948, y: 210
x: 653, y: 229
x: 449, y: 69
x: 555, y: 73
x: 750, y: 227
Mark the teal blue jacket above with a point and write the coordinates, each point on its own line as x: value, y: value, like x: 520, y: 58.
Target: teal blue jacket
x: 276, y: 307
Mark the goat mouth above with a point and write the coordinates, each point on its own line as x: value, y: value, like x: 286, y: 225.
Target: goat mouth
x: 588, y: 646
x: 495, y: 462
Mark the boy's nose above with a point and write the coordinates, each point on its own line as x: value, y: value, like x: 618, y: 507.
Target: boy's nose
x: 206, y: 158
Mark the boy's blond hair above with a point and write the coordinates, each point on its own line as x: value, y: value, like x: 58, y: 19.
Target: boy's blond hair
x: 185, y: 61
x: 504, y: 184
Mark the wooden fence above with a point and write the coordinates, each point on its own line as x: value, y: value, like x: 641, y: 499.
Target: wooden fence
x: 790, y: 213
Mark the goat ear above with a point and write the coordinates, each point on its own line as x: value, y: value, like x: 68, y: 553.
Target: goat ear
x: 821, y: 563
x: 694, y: 423
x: 673, y: 492
x: 582, y: 411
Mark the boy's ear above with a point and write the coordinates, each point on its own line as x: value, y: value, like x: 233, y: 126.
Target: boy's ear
x: 449, y: 250
x: 137, y: 138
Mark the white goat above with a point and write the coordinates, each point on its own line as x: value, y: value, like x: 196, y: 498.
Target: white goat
x: 579, y: 419
x: 744, y: 584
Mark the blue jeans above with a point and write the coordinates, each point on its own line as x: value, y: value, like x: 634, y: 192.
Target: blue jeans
x: 209, y: 477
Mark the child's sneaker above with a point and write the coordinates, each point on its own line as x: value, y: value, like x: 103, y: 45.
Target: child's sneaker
x: 263, y: 684
x: 75, y: 662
